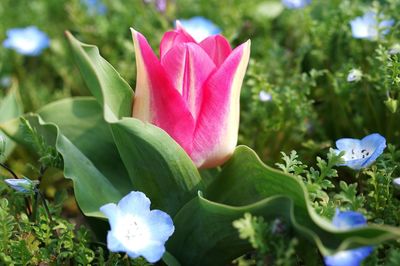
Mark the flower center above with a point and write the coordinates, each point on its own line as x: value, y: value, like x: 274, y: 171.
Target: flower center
x: 358, y: 154
x: 133, y: 232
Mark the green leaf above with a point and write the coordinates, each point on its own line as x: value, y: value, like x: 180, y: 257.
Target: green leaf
x: 204, y: 234
x: 170, y: 260
x: 85, y: 141
x: 107, y: 160
x: 156, y: 164
x: 103, y: 81
x: 10, y: 108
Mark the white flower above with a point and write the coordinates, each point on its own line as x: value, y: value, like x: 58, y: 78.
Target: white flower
x: 354, y: 75
x: 265, y: 96
x: 295, y: 4
x: 369, y: 26
x: 26, y: 41
x: 135, y: 229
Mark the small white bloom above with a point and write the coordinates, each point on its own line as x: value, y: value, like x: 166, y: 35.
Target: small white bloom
x: 135, y: 229
x: 354, y: 75
x: 396, y: 183
x: 265, y: 96
x: 395, y: 49
x: 296, y: 4
x: 27, y: 41
x: 369, y: 26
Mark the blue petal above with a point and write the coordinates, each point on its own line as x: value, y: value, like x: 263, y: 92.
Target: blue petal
x: 374, y: 142
x: 26, y: 41
x: 295, y: 4
x: 113, y: 244
x: 346, y: 144
x: 153, y: 252
x: 348, y: 219
x: 161, y: 224
x: 111, y: 211
x: 135, y: 203
x: 352, y: 257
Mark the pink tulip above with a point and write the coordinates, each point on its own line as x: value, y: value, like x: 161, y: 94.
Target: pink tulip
x: 192, y: 92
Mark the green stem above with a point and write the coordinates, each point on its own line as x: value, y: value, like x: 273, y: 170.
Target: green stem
x: 45, y: 206
x: 36, y: 208
x: 9, y: 170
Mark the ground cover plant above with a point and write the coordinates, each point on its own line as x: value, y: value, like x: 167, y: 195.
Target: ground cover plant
x: 199, y: 132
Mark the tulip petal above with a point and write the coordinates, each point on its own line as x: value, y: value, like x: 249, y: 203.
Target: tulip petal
x: 188, y: 67
x: 172, y: 38
x: 217, y: 127
x: 156, y: 100
x: 217, y: 47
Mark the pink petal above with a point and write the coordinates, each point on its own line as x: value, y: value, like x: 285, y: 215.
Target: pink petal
x: 188, y: 67
x: 172, y: 38
x: 216, y: 132
x: 217, y: 47
x: 156, y: 100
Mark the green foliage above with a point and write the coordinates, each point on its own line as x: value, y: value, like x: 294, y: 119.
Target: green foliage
x: 28, y: 243
x: 57, y: 242
x: 269, y: 240
x: 48, y: 155
x: 318, y: 181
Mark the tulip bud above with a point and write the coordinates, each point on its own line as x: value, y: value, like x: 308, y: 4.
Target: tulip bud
x: 192, y: 92
x: 391, y: 104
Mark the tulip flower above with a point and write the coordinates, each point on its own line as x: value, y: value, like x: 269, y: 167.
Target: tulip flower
x: 192, y: 92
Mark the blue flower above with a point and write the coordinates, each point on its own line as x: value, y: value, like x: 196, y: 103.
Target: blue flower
x: 352, y: 257
x: 361, y: 153
x: 95, y: 7
x: 22, y: 185
x: 5, y: 81
x: 26, y: 41
x: 199, y: 27
x: 137, y: 230
x: 369, y: 26
x: 295, y: 4
x: 161, y: 5
x: 396, y: 183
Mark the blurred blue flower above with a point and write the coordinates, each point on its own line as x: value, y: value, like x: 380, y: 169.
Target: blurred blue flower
x: 370, y: 26
x: 265, y: 96
x: 22, y: 185
x: 361, y: 153
x: 199, y: 27
x: 95, y: 7
x: 26, y: 41
x: 161, y: 5
x: 395, y: 49
x: 5, y: 81
x: 295, y: 4
x: 352, y: 257
x: 396, y: 183
x: 354, y: 75
x: 137, y: 230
